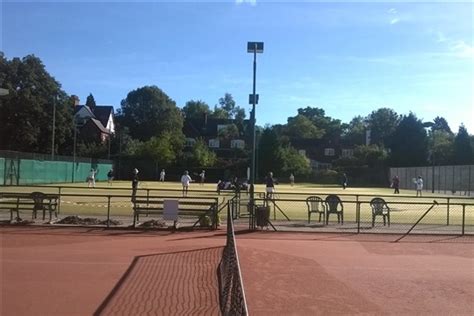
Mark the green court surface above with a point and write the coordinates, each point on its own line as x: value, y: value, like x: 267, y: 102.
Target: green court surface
x: 115, y: 198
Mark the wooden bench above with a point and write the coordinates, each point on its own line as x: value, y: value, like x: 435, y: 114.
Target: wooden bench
x: 200, y: 209
x: 34, y: 202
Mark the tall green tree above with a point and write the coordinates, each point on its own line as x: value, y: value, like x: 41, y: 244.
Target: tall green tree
x: 196, y: 109
x: 354, y: 132
x: 201, y: 156
x: 302, y: 127
x: 293, y: 162
x: 462, y: 147
x: 164, y: 150
x: 148, y: 112
x: 331, y: 128
x: 27, y: 111
x: 409, y: 143
x: 382, y: 124
x: 90, y: 102
x: 442, y: 147
x: 268, y: 152
x: 228, y: 109
x: 440, y: 124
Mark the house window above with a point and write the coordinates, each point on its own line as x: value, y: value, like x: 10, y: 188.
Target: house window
x: 237, y: 143
x: 213, y: 143
x: 329, y: 152
x: 190, y: 142
x: 348, y: 153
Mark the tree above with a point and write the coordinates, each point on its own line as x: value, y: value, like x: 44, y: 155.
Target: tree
x: 354, y: 132
x: 229, y: 132
x: 220, y: 113
x: 462, y: 147
x: 440, y: 124
x: 163, y: 149
x: 293, y: 162
x: 27, y: 111
x: 371, y: 155
x: 228, y: 110
x: 149, y: 112
x: 331, y: 128
x: 409, y: 143
x: 196, y: 109
x: 302, y: 127
x: 268, y: 152
x: 201, y: 156
x: 382, y: 124
x: 90, y: 102
x: 443, y: 147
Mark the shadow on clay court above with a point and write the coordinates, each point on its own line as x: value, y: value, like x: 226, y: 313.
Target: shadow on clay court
x: 181, y: 282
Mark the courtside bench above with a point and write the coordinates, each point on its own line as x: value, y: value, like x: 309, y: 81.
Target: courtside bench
x: 186, y: 208
x: 34, y: 202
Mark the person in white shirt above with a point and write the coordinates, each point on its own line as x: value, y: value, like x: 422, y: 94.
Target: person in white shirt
x: 419, y: 186
x: 162, y: 175
x: 202, y: 175
x: 185, y: 180
x: 91, y: 178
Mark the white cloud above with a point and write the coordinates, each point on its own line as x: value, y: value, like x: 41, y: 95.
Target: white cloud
x: 392, y: 11
x: 458, y: 48
x: 394, y: 21
x: 251, y: 2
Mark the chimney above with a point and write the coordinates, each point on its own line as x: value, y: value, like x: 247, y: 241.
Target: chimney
x: 75, y: 100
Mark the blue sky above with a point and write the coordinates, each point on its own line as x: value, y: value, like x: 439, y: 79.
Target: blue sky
x: 346, y: 57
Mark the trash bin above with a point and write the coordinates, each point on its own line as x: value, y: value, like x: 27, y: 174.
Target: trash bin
x: 263, y: 215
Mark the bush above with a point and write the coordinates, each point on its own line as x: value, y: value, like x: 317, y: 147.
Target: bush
x: 326, y: 176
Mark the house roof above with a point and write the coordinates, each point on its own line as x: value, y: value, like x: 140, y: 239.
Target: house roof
x: 98, y: 125
x: 103, y: 112
x: 100, y: 112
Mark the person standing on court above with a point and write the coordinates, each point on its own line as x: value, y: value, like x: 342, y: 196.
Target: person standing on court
x: 162, y: 175
x: 202, y: 175
x: 185, y: 180
x: 134, y: 183
x: 419, y: 186
x: 396, y: 185
x: 110, y: 176
x: 292, y: 179
x: 344, y: 181
x: 269, y: 185
x: 91, y: 178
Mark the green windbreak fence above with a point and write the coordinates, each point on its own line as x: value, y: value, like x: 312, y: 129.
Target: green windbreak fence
x: 18, y: 171
x: 2, y: 170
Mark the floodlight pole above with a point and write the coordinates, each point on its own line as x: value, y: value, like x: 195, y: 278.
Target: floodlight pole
x: 74, y: 149
x: 253, y: 47
x: 54, y: 128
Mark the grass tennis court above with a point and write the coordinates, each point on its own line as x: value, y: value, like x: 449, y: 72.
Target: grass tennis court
x: 78, y: 199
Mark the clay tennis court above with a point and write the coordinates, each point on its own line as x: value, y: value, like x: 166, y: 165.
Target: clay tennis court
x: 86, y: 271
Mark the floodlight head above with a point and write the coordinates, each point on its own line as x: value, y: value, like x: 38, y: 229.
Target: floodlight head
x: 256, y: 47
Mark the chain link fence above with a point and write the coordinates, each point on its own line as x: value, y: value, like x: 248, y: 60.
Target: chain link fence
x: 458, y: 180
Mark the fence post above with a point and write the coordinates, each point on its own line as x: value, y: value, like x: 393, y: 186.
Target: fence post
x: 358, y: 216
x: 447, y: 213
x: 59, y: 201
x: 463, y: 217
x: 108, y: 211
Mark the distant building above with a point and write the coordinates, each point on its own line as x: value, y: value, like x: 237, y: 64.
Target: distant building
x: 94, y: 124
x: 210, y: 131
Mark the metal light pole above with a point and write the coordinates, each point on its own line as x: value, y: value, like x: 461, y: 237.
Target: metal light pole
x: 253, y: 47
x: 74, y: 149
x: 54, y: 127
x: 430, y: 125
